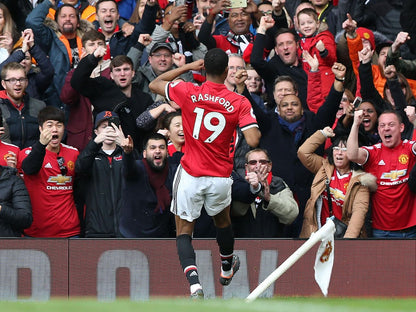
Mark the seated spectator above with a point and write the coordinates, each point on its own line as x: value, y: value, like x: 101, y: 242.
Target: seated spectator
x: 48, y: 168
x: 161, y: 59
x: 147, y: 191
x: 118, y: 94
x: 80, y: 121
x: 118, y: 41
x: 60, y: 39
x: 320, y: 42
x: 348, y: 186
x: 40, y: 76
x: 392, y: 205
x: 100, y: 167
x: 18, y: 109
x: 261, y: 202
x: 179, y: 32
x: 238, y: 38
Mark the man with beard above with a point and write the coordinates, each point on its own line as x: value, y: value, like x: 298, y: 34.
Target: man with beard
x: 118, y: 94
x: 48, y: 167
x: 147, y: 191
x: 60, y: 39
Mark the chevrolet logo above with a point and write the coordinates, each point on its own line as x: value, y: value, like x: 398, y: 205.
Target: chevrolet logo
x: 60, y: 179
x: 394, y: 175
x: 337, y: 193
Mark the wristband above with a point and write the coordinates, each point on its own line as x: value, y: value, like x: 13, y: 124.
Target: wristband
x: 340, y: 79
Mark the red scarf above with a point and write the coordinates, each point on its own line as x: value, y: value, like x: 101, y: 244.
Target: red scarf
x: 157, y: 181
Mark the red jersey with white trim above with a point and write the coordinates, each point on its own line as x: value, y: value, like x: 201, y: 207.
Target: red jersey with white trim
x: 393, y: 205
x: 210, y: 115
x: 51, y: 195
x: 5, y: 149
x: 338, y: 188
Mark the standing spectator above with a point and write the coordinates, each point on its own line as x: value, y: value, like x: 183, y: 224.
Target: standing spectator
x: 349, y: 187
x: 48, y: 168
x: 120, y: 41
x: 118, y: 94
x: 18, y: 109
x: 86, y: 11
x: 80, y: 121
x: 39, y: 76
x: 327, y: 13
x: 287, y: 131
x: 270, y: 203
x: 8, y: 33
x: 393, y: 205
x: 203, y: 179
x: 319, y: 43
x: 100, y: 167
x: 284, y: 62
x: 15, y: 208
x: 60, y: 39
x: 147, y: 191
x: 238, y: 38
x: 406, y: 67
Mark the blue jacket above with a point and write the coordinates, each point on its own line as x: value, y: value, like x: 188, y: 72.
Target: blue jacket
x: 47, y: 36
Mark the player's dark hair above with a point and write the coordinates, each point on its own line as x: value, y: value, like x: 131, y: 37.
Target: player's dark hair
x: 51, y: 113
x: 215, y: 62
x: 154, y: 136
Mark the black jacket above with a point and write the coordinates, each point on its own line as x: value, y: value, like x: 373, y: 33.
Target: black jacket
x: 102, y: 181
x: 16, y: 211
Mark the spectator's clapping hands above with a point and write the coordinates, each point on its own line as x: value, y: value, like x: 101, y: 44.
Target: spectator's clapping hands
x: 401, y: 38
x: 28, y: 40
x: 311, y: 60
x: 320, y: 46
x: 253, y: 179
x: 365, y: 55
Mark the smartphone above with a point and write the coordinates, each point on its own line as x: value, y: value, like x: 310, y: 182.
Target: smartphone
x: 179, y: 2
x: 357, y: 102
x: 238, y: 4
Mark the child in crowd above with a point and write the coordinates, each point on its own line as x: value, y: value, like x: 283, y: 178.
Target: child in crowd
x: 317, y: 42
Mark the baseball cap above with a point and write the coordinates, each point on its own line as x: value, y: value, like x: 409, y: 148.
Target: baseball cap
x: 160, y: 45
x: 106, y: 115
x: 366, y: 33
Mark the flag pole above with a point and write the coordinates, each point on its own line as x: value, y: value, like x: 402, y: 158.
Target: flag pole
x: 315, y: 237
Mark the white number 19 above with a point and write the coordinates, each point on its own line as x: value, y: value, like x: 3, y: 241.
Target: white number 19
x: 216, y: 129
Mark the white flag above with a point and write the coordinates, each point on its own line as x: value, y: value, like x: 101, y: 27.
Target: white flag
x: 324, y: 261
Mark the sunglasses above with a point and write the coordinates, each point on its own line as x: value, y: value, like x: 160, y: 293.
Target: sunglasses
x: 261, y: 161
x: 62, y: 167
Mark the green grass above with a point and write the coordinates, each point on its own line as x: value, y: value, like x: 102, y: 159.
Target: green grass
x: 277, y: 304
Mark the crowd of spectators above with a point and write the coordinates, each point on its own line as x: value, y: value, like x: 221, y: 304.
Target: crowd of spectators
x: 331, y: 84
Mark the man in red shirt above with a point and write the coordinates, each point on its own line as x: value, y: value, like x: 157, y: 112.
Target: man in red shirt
x: 393, y: 205
x: 210, y: 115
x: 48, y: 168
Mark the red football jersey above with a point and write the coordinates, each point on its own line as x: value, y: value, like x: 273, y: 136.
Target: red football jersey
x: 51, y: 195
x: 5, y: 149
x: 210, y: 115
x: 393, y: 205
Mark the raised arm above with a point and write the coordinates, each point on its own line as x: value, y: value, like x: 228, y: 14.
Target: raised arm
x: 354, y: 152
